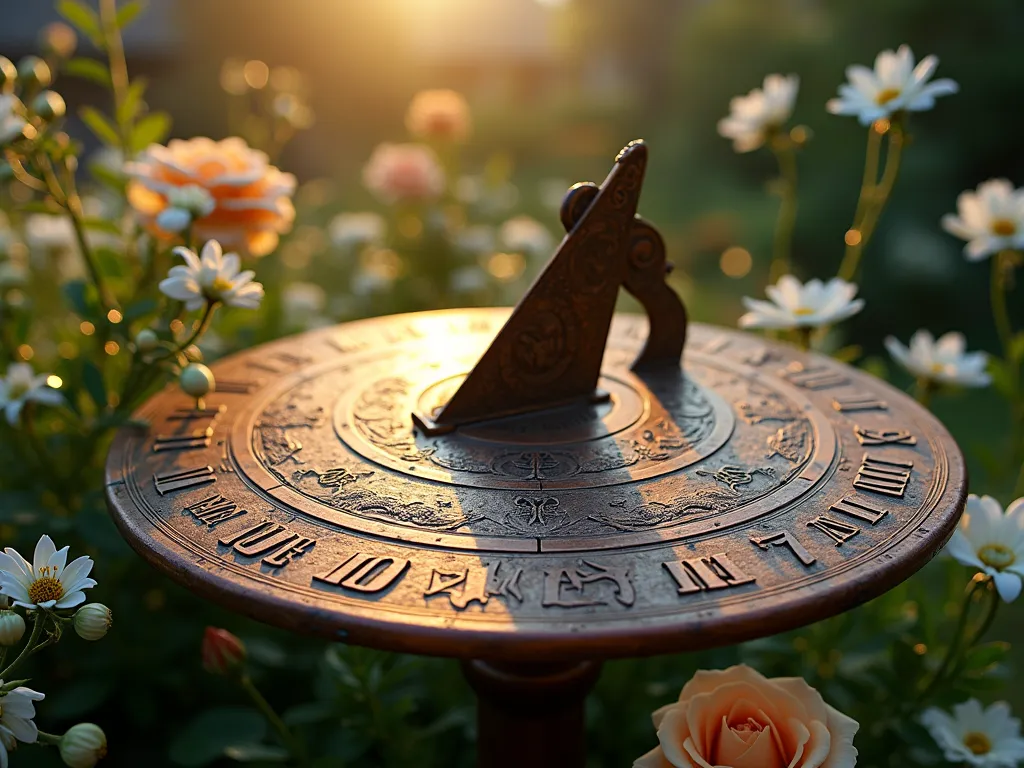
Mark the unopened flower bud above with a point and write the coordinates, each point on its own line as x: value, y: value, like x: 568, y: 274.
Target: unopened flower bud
x: 8, y: 74
x: 12, y: 628
x: 197, y: 380
x: 83, y: 746
x: 59, y: 39
x: 194, y: 353
x: 146, y: 340
x: 173, y: 219
x: 222, y: 652
x: 92, y: 621
x: 49, y: 105
x: 34, y: 72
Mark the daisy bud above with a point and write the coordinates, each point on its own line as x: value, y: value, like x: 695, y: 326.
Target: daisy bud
x: 59, y: 39
x: 173, y: 219
x: 222, y: 652
x: 12, y: 628
x: 34, y: 72
x: 92, y: 621
x: 49, y: 105
x: 193, y: 353
x: 8, y: 73
x: 83, y: 746
x: 197, y: 380
x: 146, y: 340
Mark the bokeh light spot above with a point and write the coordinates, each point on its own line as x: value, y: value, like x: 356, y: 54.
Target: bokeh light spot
x: 736, y: 262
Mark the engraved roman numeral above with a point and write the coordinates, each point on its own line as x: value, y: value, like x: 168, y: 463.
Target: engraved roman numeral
x: 214, y: 510
x: 859, y: 402
x: 200, y: 438
x: 762, y: 355
x: 716, y: 344
x: 786, y: 539
x: 867, y: 436
x: 836, y: 530
x: 346, y: 347
x: 478, y: 585
x: 817, y: 377
x: 277, y: 545
x: 365, y: 573
x: 886, y: 477
x: 284, y: 360
x: 859, y: 509
x: 699, y: 574
x: 237, y: 387
x: 187, y: 478
x: 188, y: 414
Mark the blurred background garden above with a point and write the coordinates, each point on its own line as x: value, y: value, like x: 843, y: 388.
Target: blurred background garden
x: 554, y: 89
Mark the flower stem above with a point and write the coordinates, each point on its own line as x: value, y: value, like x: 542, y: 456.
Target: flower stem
x: 272, y: 717
x: 923, y: 391
x: 118, y: 70
x: 48, y: 739
x: 873, y: 195
x: 782, y: 247
x: 803, y: 337
x: 958, y: 635
x: 37, y: 628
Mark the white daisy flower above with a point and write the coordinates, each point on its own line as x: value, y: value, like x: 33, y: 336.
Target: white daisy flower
x: 977, y: 737
x: 184, y: 205
x: 523, y: 234
x: 945, y: 361
x: 352, y: 229
x: 992, y: 542
x: 16, y: 713
x: 894, y: 85
x: 49, y: 581
x: 213, y: 277
x: 797, y: 305
x: 752, y: 118
x: 990, y: 219
x: 22, y: 385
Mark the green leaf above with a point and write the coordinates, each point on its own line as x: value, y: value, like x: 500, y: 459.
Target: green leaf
x: 76, y: 292
x: 251, y: 753
x: 983, y: 657
x: 100, y: 125
x: 92, y: 378
x: 210, y: 734
x: 152, y: 129
x: 132, y: 104
x: 128, y: 12
x: 83, y: 17
x: 89, y: 69
x: 102, y: 225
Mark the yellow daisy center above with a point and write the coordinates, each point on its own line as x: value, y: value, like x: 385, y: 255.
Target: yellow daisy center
x: 997, y: 556
x: 220, y: 284
x: 978, y: 743
x: 886, y: 95
x: 803, y: 311
x: 1003, y: 228
x: 46, y: 588
x: 938, y: 367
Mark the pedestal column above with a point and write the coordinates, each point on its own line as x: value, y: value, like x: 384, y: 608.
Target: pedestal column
x: 531, y: 714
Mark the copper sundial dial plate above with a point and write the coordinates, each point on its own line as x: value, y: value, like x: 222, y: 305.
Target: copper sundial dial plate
x: 752, y: 490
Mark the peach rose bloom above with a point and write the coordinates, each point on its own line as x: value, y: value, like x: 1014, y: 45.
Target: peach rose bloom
x: 737, y: 718
x: 441, y: 115
x: 401, y: 173
x: 251, y: 199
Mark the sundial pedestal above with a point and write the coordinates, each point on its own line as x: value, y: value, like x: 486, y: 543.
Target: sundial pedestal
x: 447, y: 483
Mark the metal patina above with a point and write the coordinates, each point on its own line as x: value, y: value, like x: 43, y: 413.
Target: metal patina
x: 539, y: 489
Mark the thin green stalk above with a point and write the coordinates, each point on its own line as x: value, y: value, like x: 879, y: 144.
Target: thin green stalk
x: 785, y: 153
x: 118, y: 70
x: 872, y: 201
x: 37, y: 628
x: 999, y: 312
x: 282, y: 730
x: 803, y: 337
x: 958, y: 635
x: 49, y: 739
x: 923, y: 391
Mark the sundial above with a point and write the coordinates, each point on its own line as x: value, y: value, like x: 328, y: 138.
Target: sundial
x: 538, y: 489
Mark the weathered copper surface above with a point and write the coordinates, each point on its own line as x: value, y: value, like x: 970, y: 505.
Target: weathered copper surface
x: 756, y: 489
